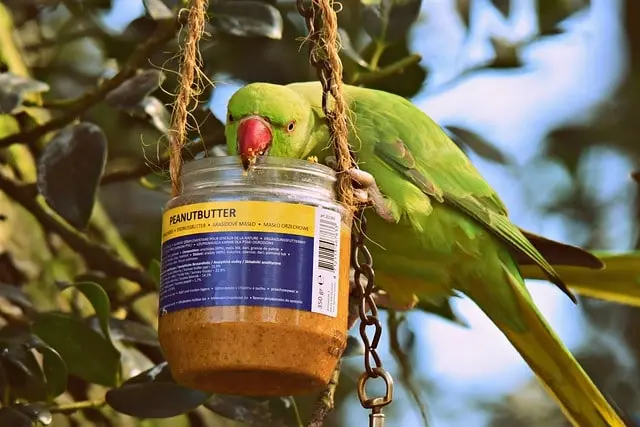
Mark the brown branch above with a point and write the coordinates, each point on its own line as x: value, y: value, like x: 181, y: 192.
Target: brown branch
x: 326, y: 401
x: 395, y: 68
x: 393, y: 324
x: 97, y: 256
x: 139, y: 168
x: 63, y: 39
x: 77, y: 406
x: 165, y: 31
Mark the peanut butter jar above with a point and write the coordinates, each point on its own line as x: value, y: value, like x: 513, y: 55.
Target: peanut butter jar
x: 255, y: 277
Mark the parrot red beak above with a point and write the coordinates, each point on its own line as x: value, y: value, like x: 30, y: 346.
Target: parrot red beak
x: 254, y: 139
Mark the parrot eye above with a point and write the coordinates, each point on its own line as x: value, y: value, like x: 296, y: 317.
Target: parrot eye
x: 291, y: 126
x: 230, y: 118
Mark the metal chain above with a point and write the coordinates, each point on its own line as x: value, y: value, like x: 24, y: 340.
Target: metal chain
x: 361, y: 259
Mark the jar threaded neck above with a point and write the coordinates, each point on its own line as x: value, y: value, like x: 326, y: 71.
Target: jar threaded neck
x: 268, y: 171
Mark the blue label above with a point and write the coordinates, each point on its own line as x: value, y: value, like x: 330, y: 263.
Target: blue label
x: 237, y: 268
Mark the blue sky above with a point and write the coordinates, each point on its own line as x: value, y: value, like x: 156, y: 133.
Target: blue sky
x: 564, y: 78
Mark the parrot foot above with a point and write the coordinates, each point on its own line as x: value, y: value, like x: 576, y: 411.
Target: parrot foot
x: 369, y: 193
x: 382, y: 300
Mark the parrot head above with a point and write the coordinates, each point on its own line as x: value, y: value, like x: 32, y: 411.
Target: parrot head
x: 267, y: 119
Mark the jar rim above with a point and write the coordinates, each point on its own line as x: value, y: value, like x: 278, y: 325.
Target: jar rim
x: 262, y: 163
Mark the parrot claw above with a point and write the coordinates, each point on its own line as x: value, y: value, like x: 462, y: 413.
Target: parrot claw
x: 361, y: 196
x: 369, y: 193
x: 382, y: 300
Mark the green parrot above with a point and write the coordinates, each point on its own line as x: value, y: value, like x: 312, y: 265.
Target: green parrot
x: 437, y: 227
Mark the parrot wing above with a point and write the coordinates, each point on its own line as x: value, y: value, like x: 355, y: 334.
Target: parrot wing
x: 484, y: 206
x: 559, y: 254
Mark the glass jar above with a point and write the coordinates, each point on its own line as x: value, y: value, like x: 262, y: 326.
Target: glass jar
x: 255, y: 277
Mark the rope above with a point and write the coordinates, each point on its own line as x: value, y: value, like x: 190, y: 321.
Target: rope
x: 337, y: 117
x: 189, y: 68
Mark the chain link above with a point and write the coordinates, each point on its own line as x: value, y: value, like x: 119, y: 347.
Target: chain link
x: 361, y: 259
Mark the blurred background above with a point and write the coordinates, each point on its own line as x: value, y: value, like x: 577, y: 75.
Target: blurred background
x: 545, y: 97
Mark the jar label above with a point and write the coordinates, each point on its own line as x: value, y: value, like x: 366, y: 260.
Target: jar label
x: 253, y: 253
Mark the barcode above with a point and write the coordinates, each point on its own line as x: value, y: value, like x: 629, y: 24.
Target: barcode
x: 327, y: 251
x: 326, y: 262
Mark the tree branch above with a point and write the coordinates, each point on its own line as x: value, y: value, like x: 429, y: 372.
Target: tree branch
x: 393, y: 323
x: 129, y: 169
x: 98, y: 257
x: 77, y: 406
x: 139, y: 168
x: 63, y: 39
x: 165, y: 31
x: 326, y: 400
x: 389, y: 70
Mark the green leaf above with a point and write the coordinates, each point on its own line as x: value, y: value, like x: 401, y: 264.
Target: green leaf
x: 13, y: 89
x: 390, y: 20
x: 132, y: 92
x: 86, y: 352
x: 78, y: 7
x: 21, y: 371
x: 99, y: 301
x: 247, y: 18
x: 255, y: 411
x: 552, y: 12
x: 464, y: 11
x: 129, y: 331
x: 15, y: 295
x: 37, y: 412
x: 155, y: 271
x: 69, y: 171
x: 132, y: 360
x: 13, y: 418
x: 157, y: 10
x: 157, y: 113
x: 475, y: 142
x: 354, y: 348
x: 349, y: 50
x: 55, y: 370
x: 407, y: 83
x: 504, y: 6
x: 154, y: 394
x: 507, y: 54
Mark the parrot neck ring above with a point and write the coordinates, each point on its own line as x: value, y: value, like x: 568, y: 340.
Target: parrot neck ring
x: 254, y: 139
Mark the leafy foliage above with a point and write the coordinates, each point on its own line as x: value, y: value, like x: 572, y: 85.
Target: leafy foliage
x: 247, y: 18
x: 87, y: 354
x: 13, y: 89
x: 92, y: 106
x: 154, y: 394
